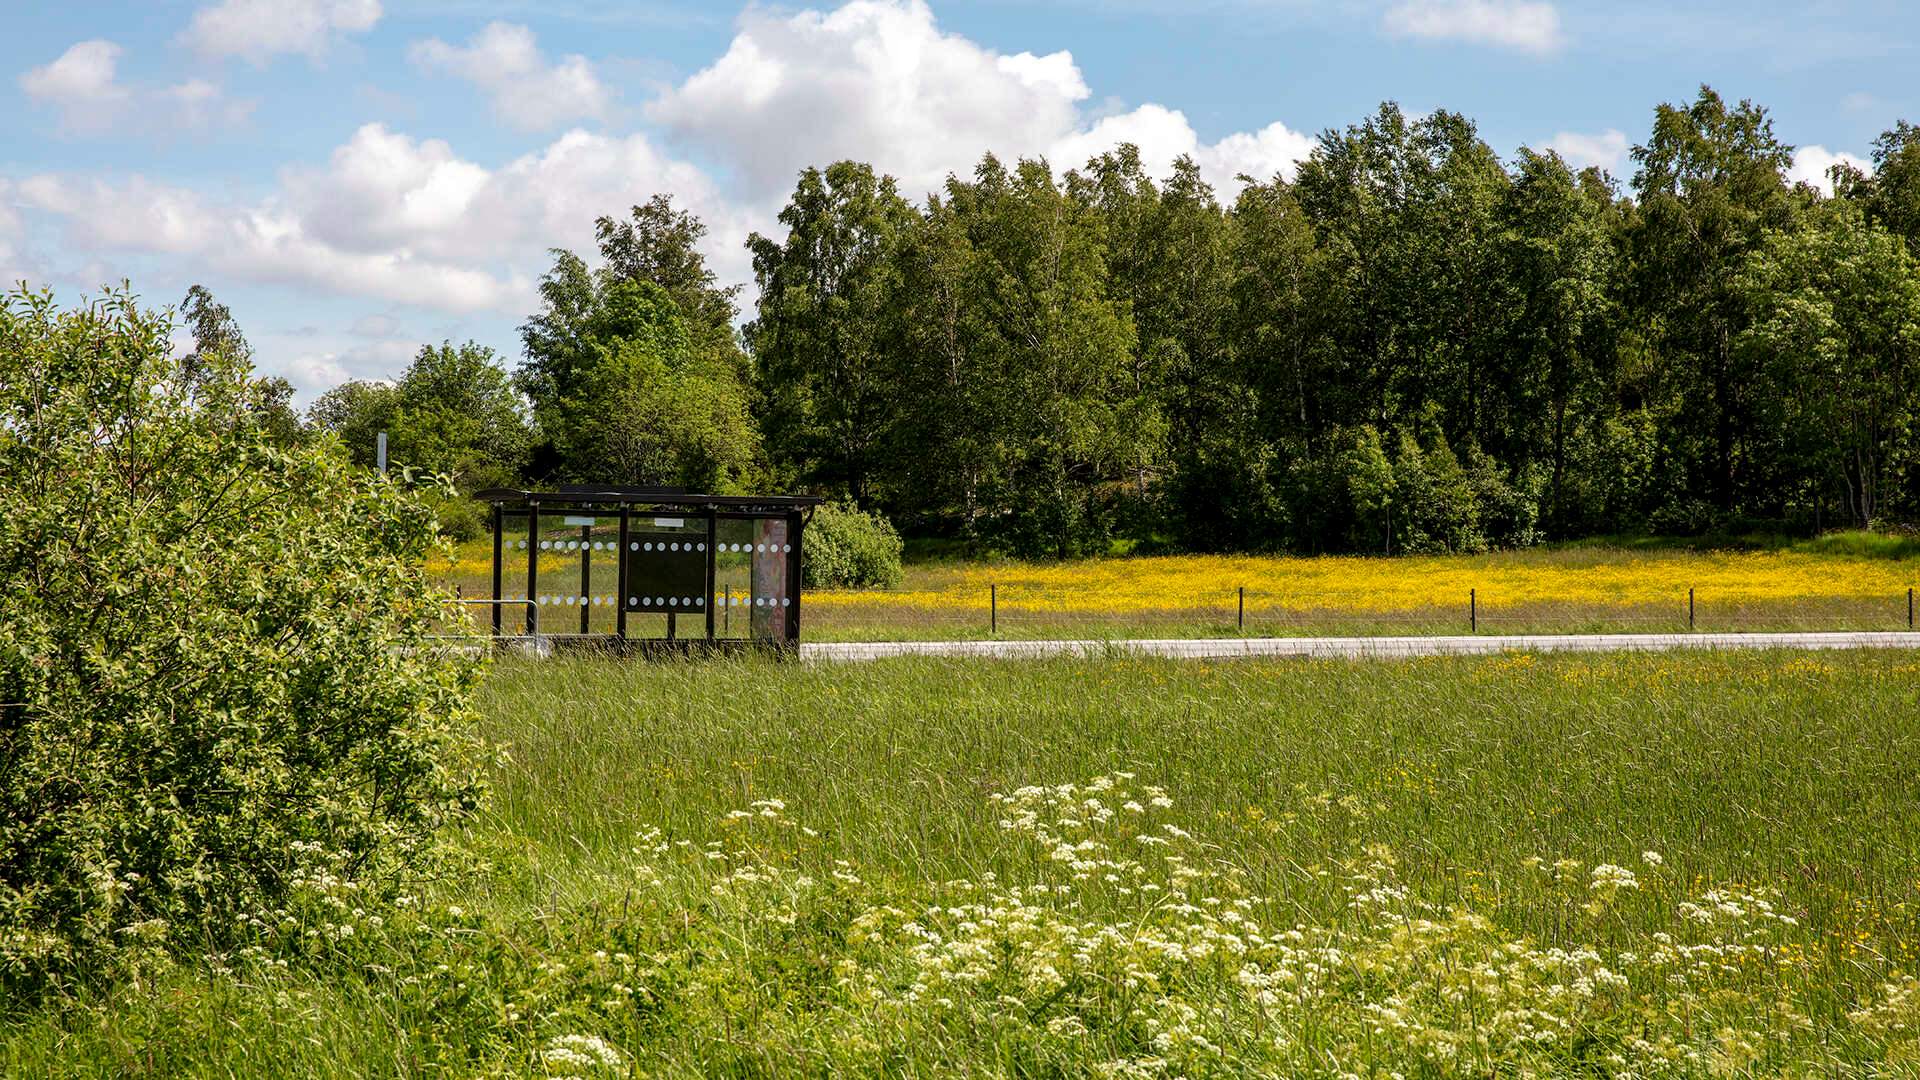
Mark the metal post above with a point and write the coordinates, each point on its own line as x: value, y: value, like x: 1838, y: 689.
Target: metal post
x: 1473, y: 610
x: 993, y: 609
x: 586, y: 576
x: 1243, y: 609
x: 726, y: 605
x: 533, y: 569
x: 498, y: 541
x: 1909, y: 609
x: 795, y: 523
x: 620, y: 571
x: 380, y: 451
x: 713, y: 521
x: 1689, y: 607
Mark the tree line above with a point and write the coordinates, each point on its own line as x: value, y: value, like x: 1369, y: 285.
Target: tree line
x: 1412, y: 345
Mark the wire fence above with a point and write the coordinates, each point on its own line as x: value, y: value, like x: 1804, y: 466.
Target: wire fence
x: 884, y: 616
x: 994, y: 612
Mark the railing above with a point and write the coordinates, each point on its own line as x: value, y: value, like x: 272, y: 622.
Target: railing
x: 1239, y: 612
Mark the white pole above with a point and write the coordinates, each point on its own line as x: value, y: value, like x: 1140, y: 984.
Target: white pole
x: 380, y: 450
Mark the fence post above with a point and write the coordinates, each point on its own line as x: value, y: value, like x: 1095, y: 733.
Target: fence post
x: 1689, y: 607
x: 1473, y: 610
x: 1243, y: 609
x: 1909, y: 609
x: 993, y: 609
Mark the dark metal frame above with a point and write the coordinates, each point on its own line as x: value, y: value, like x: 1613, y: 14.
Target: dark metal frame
x: 794, y: 510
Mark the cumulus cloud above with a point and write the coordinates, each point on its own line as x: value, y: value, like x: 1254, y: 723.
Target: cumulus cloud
x: 83, y: 84
x: 872, y: 80
x: 399, y: 219
x: 879, y: 81
x: 526, y: 91
x: 407, y: 222
x: 1810, y: 165
x: 1523, y: 25
x: 1163, y: 135
x: 258, y: 30
x: 1606, y: 149
x: 263, y: 242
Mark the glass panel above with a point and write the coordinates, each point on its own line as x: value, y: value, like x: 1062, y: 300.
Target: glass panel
x: 513, y: 575
x: 578, y: 573
x: 770, y: 597
x: 750, y: 579
x: 667, y: 576
x: 732, y: 577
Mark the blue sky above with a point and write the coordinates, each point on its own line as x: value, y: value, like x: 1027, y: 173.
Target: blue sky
x: 358, y: 177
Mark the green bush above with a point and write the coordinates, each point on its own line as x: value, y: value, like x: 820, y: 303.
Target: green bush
x: 215, y: 661
x: 848, y: 549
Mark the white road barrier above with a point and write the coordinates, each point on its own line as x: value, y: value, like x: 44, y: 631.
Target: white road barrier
x: 1363, y: 648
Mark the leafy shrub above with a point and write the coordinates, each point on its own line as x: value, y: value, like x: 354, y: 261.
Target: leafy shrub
x: 214, y: 651
x: 846, y: 548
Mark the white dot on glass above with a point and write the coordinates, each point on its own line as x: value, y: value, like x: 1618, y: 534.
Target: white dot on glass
x: 676, y: 545
x: 784, y: 548
x: 701, y: 547
x: 786, y: 601
x: 633, y: 601
x: 545, y: 544
x: 649, y: 545
x: 699, y: 601
x: 673, y: 601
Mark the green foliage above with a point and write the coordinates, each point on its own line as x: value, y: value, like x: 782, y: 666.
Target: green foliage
x: 627, y: 391
x: 1049, y: 366
x: 847, y: 548
x: 215, y: 658
x: 825, y: 339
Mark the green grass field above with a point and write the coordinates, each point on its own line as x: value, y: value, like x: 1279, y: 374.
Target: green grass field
x: 1683, y: 865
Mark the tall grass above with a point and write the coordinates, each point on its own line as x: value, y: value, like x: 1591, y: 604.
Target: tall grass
x: 783, y: 853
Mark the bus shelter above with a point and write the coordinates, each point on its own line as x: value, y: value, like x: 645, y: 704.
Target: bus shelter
x: 647, y: 567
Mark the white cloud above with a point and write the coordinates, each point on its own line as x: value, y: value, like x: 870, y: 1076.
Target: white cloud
x: 198, y: 105
x: 1810, y: 165
x: 1163, y: 134
x: 410, y: 224
x: 258, y: 30
x: 264, y: 242
x: 1606, y: 149
x: 525, y: 89
x: 83, y: 84
x: 1522, y: 25
x: 878, y: 81
x: 399, y: 219
x: 873, y: 80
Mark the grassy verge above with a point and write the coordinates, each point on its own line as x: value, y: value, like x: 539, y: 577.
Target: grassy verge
x: 1616, y: 865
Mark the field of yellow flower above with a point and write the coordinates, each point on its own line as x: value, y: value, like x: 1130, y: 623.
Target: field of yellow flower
x: 1570, y: 590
